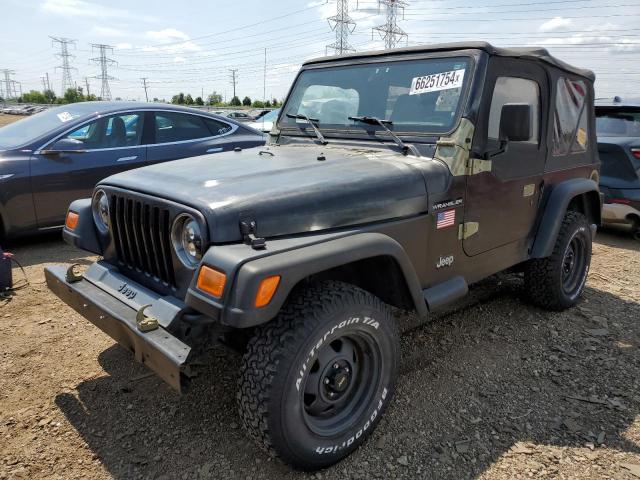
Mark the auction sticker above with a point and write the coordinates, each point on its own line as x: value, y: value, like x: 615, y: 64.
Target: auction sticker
x: 437, y: 82
x: 65, y: 116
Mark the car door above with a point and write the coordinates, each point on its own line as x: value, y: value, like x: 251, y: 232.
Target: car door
x: 180, y: 135
x: 106, y: 145
x: 502, y: 196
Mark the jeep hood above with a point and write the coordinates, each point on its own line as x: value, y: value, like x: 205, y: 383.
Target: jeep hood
x: 291, y: 189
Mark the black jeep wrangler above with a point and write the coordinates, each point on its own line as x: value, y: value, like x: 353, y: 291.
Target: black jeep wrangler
x: 392, y: 180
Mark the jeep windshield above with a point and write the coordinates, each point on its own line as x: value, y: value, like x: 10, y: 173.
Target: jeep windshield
x: 413, y: 96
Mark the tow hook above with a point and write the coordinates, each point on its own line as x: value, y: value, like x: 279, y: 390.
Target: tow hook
x: 145, y: 323
x: 72, y: 276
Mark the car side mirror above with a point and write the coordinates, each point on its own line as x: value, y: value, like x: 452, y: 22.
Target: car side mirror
x: 65, y: 145
x: 515, y: 122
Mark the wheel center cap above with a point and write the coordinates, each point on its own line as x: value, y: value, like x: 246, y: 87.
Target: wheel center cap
x: 341, y: 382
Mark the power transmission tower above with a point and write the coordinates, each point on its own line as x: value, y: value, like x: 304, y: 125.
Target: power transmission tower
x: 144, y: 82
x: 9, y: 83
x: 390, y: 32
x: 86, y: 82
x: 105, y: 63
x: 343, y: 25
x: 234, y: 80
x: 64, y: 54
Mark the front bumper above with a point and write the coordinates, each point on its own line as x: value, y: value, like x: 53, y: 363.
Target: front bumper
x: 159, y: 350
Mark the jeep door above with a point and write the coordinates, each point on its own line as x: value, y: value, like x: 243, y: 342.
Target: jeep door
x: 106, y: 146
x: 181, y: 135
x: 502, y: 199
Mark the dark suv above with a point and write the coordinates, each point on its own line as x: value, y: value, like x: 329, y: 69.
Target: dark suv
x: 392, y: 180
x: 618, y: 130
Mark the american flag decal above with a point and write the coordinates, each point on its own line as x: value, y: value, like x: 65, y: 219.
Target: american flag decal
x: 446, y: 219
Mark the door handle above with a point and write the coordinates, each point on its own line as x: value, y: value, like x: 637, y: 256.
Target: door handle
x: 214, y: 150
x: 127, y: 159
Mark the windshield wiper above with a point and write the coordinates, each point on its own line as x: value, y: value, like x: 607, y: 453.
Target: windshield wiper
x: 383, y: 123
x: 310, y: 121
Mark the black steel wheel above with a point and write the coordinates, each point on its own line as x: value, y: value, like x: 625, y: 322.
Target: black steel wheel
x: 316, y: 380
x: 556, y: 282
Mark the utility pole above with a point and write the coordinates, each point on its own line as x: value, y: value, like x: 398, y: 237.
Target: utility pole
x: 343, y: 25
x: 144, y: 83
x: 66, y: 67
x: 234, y: 80
x: 105, y: 63
x: 9, y: 83
x: 390, y: 32
x: 86, y: 82
x: 264, y: 78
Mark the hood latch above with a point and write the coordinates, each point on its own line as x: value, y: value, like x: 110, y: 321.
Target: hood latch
x: 248, y: 231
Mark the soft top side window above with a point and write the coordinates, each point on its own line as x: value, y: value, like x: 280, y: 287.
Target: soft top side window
x: 570, y: 123
x: 514, y: 90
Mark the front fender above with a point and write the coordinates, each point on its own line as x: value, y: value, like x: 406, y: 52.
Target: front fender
x: 556, y: 206
x: 294, y: 260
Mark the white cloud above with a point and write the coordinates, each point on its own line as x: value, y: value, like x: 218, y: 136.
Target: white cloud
x: 556, y: 23
x: 124, y: 46
x: 167, y: 35
x: 176, y: 40
x: 81, y: 8
x: 108, y: 32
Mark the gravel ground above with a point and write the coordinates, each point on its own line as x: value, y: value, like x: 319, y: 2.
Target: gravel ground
x: 496, y: 390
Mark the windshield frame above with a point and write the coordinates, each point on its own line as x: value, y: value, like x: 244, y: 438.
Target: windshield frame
x: 362, y: 131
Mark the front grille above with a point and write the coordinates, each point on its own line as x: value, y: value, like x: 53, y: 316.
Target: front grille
x: 142, y: 238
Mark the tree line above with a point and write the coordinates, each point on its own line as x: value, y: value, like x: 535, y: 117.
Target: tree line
x: 216, y: 100
x: 72, y: 95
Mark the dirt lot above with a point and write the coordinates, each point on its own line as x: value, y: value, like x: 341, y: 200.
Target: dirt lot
x: 497, y: 390
x: 7, y: 119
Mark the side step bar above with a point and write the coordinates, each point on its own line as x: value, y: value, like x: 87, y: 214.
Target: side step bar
x: 445, y: 293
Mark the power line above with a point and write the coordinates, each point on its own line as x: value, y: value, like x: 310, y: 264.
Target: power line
x: 390, y: 32
x: 343, y: 25
x: 67, y: 81
x: 105, y: 63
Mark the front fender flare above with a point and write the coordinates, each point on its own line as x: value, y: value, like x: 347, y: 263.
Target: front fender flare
x: 297, y: 263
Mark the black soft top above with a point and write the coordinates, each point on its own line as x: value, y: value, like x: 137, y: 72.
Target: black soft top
x: 534, y: 53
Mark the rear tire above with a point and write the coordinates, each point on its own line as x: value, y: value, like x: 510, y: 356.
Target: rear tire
x: 556, y: 282
x: 316, y: 380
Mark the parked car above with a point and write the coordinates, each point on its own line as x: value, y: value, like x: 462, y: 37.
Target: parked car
x: 430, y: 169
x: 265, y: 123
x: 54, y: 157
x: 237, y: 116
x: 618, y: 127
x: 258, y: 113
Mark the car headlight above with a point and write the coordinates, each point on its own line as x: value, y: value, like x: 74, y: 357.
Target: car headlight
x: 186, y: 237
x: 100, y: 207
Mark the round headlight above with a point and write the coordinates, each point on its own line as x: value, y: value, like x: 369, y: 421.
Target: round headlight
x: 101, y: 211
x: 186, y: 237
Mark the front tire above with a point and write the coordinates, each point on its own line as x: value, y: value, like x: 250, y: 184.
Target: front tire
x: 316, y: 380
x: 556, y: 282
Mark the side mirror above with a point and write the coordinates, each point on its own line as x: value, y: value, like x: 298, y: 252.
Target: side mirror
x: 65, y: 145
x: 515, y: 122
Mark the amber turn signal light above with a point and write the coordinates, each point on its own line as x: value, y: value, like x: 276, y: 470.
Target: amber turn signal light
x: 266, y: 290
x: 211, y: 281
x: 72, y: 220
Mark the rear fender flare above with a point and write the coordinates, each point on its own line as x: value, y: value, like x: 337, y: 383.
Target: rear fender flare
x: 555, y: 208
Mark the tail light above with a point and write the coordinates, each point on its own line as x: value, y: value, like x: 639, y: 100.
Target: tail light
x: 622, y: 201
x: 636, y: 152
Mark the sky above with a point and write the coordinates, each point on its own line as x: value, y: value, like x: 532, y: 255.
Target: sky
x: 191, y: 46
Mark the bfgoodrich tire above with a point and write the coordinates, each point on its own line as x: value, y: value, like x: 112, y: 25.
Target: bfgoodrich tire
x: 316, y: 380
x: 556, y: 282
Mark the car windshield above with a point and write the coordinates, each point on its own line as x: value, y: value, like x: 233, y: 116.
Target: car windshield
x: 28, y: 129
x: 272, y: 116
x: 618, y: 122
x: 421, y: 96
